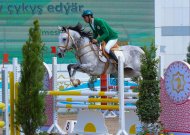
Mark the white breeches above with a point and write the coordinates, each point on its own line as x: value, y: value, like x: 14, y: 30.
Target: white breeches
x: 110, y: 44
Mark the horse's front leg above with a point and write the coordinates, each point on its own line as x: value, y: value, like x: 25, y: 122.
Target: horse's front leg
x: 72, y: 68
x: 69, y: 68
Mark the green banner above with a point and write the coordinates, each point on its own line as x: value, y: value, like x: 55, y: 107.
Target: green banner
x: 133, y: 19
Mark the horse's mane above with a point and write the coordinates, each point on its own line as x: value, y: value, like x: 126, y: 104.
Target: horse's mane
x: 81, y: 31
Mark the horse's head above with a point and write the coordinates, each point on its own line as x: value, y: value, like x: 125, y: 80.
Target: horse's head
x: 66, y: 41
x: 71, y: 37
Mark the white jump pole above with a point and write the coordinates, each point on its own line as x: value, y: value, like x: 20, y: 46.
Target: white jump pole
x: 122, y: 130
x: 15, y: 72
x: 15, y: 69
x: 55, y: 127
x: 5, y: 100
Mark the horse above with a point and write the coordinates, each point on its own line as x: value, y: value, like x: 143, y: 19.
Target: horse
x: 90, y: 59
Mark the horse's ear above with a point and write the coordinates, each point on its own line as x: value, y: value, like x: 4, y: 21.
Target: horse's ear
x: 61, y: 28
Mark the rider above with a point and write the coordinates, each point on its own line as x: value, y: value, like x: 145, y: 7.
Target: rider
x: 101, y: 32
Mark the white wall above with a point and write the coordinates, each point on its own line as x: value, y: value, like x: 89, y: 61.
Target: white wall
x: 172, y: 30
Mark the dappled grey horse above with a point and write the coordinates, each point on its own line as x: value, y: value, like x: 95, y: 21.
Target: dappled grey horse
x: 90, y: 59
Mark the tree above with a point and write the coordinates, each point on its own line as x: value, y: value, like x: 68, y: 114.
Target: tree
x: 148, y: 109
x: 30, y: 109
x: 188, y: 54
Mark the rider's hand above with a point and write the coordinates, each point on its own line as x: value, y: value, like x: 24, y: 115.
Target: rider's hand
x: 94, y: 41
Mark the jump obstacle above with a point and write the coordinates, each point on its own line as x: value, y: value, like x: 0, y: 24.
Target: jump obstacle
x: 57, y: 98
x: 8, y: 120
x: 56, y: 95
x: 165, y: 101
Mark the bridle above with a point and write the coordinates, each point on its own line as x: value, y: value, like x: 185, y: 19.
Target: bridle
x: 66, y: 48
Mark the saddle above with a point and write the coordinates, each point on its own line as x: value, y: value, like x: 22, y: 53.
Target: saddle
x: 104, y: 56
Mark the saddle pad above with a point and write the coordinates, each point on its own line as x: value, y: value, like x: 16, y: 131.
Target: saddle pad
x: 102, y: 57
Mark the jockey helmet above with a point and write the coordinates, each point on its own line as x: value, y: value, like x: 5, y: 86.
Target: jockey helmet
x: 87, y: 12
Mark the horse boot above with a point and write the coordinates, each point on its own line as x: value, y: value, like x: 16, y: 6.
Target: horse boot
x: 112, y: 55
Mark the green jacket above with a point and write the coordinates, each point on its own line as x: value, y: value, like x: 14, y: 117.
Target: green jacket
x: 102, y: 31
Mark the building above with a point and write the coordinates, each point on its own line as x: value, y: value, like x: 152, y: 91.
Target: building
x: 172, y: 30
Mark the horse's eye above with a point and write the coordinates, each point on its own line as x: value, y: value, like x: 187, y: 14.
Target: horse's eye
x: 64, y: 39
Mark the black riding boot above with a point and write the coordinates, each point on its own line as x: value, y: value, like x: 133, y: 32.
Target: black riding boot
x: 112, y: 55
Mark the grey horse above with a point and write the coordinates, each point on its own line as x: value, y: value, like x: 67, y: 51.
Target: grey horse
x: 90, y: 59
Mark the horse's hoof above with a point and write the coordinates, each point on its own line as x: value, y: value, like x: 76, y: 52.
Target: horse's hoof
x: 76, y: 82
